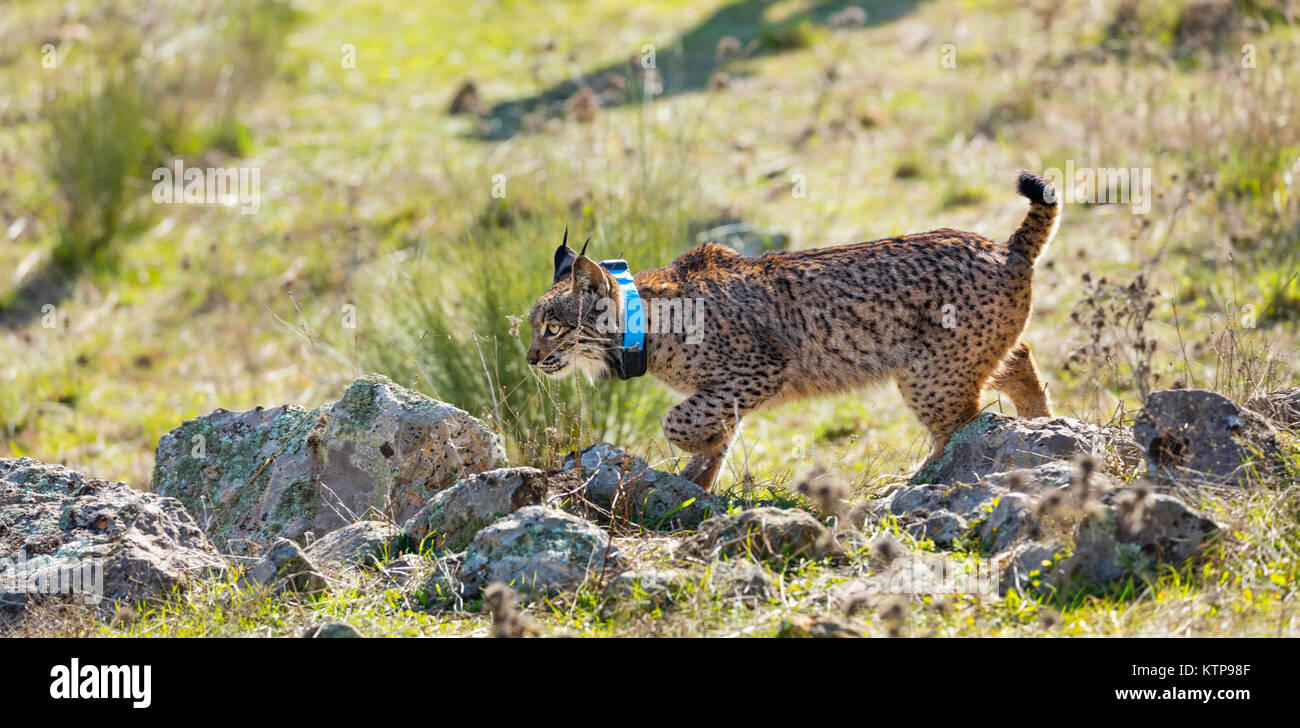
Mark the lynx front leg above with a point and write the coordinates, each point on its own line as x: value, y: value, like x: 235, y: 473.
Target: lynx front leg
x: 703, y: 425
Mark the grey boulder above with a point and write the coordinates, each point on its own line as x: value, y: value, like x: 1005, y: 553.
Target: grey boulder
x: 1196, y: 437
x: 286, y: 567
x: 540, y: 551
x: 994, y: 443
x: 94, y: 540
x: 777, y: 536
x: 381, y: 450
x: 363, y: 543
x: 624, y: 487
x: 451, y: 518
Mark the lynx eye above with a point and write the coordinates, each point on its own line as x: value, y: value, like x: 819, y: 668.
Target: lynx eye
x: 552, y: 329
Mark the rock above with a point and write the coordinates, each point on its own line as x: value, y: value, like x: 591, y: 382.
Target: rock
x: 943, y: 527
x: 1133, y: 537
x: 451, y: 518
x: 1282, y: 407
x: 1048, y: 476
x: 331, y: 631
x: 1192, y: 436
x: 539, y: 551
x: 659, y: 587
x: 249, y: 477
x: 1010, y: 525
x: 774, y: 535
x: 743, y: 580
x: 618, y: 482
x: 363, y: 543
x: 286, y: 567
x: 821, y: 625
x: 103, y: 541
x: 995, y: 443
x: 1011, y: 521
x: 1025, y: 564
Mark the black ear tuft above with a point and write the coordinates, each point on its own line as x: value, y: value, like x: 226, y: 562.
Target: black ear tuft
x: 564, y: 257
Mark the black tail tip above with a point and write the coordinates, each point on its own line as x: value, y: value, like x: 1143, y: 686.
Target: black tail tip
x: 1036, y: 188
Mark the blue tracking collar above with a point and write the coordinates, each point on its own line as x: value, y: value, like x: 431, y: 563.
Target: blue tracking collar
x: 632, y: 359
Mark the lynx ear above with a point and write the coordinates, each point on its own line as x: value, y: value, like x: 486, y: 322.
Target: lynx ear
x: 588, y: 276
x: 564, y: 257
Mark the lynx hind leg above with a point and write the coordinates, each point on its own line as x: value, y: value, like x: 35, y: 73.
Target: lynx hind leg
x: 942, y: 405
x: 1018, y: 378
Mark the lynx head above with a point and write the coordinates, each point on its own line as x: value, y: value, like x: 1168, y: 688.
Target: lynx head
x: 570, y: 322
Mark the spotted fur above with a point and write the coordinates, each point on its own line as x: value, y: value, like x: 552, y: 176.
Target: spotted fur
x: 942, y: 313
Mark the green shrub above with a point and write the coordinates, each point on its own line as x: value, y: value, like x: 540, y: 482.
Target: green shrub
x: 450, y: 335
x: 96, y: 146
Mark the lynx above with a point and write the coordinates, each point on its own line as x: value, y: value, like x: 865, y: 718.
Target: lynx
x: 942, y: 313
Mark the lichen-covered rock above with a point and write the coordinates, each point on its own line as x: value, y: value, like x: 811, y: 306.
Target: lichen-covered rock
x: 363, y: 543
x: 774, y: 535
x: 995, y: 443
x: 974, y: 503
x: 1281, y: 407
x: 620, y: 483
x: 1116, y: 533
x: 539, y: 551
x: 103, y: 541
x: 451, y: 518
x: 947, y: 513
x: 249, y: 477
x: 286, y: 567
x: 1193, y: 436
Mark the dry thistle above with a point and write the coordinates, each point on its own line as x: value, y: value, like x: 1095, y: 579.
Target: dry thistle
x: 728, y: 45
x: 1017, y: 481
x: 856, y: 601
x: 885, y: 550
x: 582, y: 106
x: 507, y: 619
x: 825, y: 491
x: 1050, y: 619
x: 1132, y: 508
x: 894, y: 615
